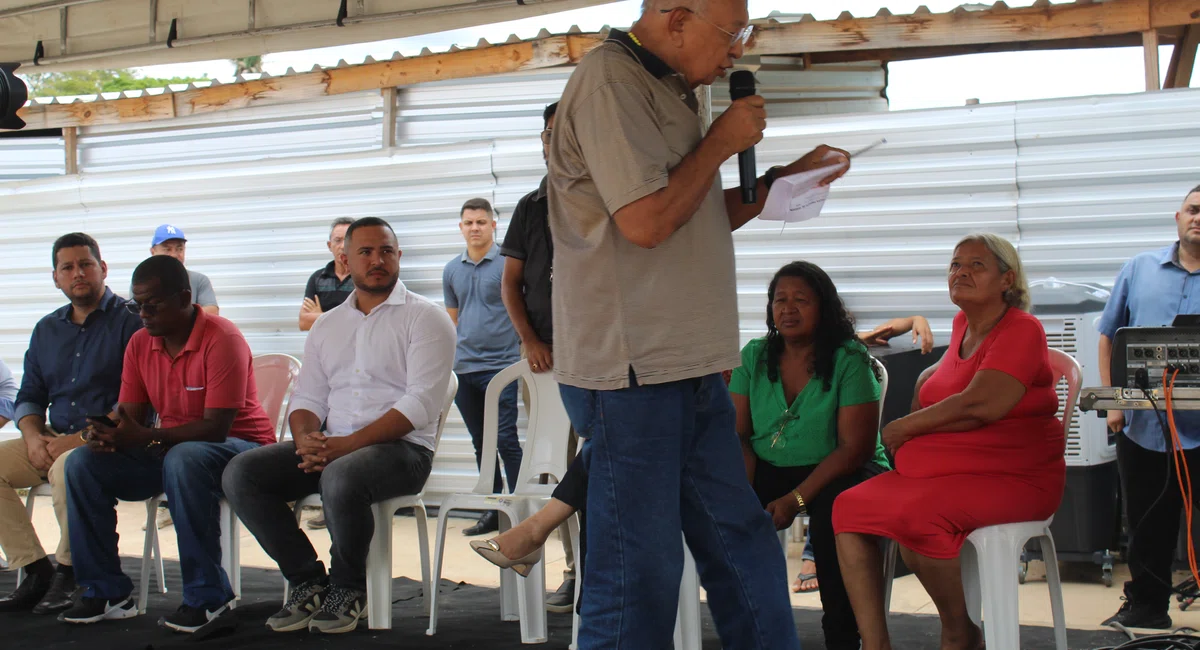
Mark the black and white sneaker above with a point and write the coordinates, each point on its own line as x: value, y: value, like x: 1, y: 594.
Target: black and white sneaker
x: 94, y: 610
x: 188, y: 619
x: 342, y: 611
x: 304, y: 600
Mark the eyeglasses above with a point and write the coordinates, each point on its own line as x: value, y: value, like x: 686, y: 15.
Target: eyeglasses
x: 778, y: 441
x: 546, y: 136
x: 150, y: 308
x: 743, y: 35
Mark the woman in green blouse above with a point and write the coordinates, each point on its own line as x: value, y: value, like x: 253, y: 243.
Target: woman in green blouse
x: 807, y: 401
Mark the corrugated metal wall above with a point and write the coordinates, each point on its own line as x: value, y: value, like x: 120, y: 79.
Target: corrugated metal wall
x: 1083, y: 184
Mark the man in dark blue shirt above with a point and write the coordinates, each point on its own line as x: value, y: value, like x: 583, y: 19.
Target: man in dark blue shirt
x: 72, y: 369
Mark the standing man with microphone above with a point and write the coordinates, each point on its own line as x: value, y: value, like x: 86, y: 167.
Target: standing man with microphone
x: 645, y: 320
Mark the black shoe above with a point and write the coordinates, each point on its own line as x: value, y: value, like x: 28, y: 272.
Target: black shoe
x: 488, y: 523
x: 188, y: 619
x: 1135, y: 615
x: 29, y: 592
x: 62, y: 594
x: 94, y: 610
x: 563, y: 600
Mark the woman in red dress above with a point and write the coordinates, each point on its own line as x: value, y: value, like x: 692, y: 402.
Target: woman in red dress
x: 981, y: 447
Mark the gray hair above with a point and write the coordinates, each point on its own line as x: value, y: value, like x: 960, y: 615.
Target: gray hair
x: 650, y: 6
x: 340, y: 221
x: 1008, y: 260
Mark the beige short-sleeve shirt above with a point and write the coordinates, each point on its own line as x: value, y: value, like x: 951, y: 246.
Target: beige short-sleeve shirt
x: 668, y: 313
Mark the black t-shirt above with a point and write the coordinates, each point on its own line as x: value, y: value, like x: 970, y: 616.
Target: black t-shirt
x: 324, y: 284
x: 528, y: 239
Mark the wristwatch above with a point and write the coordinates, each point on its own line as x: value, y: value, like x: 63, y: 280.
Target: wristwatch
x: 800, y: 502
x: 771, y: 175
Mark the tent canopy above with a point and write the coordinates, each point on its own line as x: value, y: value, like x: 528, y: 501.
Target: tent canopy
x: 92, y: 34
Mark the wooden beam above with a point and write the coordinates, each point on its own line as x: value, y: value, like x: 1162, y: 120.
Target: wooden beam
x: 389, y: 116
x: 71, y: 149
x: 1000, y: 24
x: 1150, y: 55
x: 497, y: 59
x: 912, y: 53
x: 1183, y: 58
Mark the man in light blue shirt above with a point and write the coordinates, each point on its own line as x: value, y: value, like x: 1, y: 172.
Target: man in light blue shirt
x: 487, y: 342
x: 1151, y: 290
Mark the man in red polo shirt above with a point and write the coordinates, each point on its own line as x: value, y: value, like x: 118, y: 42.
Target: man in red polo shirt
x: 195, y: 370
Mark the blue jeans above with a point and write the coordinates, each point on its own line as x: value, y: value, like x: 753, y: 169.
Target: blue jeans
x: 472, y: 386
x: 664, y: 458
x: 190, y: 476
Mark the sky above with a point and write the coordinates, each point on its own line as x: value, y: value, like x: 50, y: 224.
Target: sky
x: 929, y: 83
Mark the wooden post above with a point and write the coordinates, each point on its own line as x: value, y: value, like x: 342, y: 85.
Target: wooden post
x: 71, y: 148
x: 389, y: 116
x: 1183, y: 58
x: 1150, y: 52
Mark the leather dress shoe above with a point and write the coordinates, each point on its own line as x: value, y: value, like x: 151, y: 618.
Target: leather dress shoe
x: 62, y: 594
x: 488, y: 523
x: 28, y: 593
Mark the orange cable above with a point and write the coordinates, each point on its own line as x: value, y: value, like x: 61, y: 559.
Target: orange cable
x: 1183, y: 476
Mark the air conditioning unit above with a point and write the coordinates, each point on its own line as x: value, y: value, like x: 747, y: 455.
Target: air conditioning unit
x: 1089, y: 442
x: 1087, y: 522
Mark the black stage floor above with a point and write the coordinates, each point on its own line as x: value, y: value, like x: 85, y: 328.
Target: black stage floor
x: 469, y: 618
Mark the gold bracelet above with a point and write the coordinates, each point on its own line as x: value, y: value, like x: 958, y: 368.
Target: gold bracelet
x: 800, y: 501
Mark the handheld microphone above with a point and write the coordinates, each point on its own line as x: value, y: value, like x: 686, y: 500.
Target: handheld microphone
x: 741, y: 84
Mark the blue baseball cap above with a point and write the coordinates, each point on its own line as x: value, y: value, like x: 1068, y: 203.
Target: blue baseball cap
x: 166, y: 232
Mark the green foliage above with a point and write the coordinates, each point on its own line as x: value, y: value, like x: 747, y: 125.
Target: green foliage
x: 90, y: 82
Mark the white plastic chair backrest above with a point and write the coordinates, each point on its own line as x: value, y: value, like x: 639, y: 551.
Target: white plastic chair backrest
x: 546, y: 436
x: 451, y: 389
x: 275, y: 376
x: 1064, y: 367
x: 881, y: 370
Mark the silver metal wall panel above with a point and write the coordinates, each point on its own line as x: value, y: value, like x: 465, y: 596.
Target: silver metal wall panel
x: 826, y: 89
x: 1101, y: 179
x: 25, y: 158
x: 330, y: 125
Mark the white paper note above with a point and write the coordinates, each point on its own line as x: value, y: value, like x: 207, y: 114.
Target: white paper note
x: 798, y: 197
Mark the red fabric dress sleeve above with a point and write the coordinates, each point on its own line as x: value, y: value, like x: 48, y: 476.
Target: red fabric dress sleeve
x: 1017, y: 349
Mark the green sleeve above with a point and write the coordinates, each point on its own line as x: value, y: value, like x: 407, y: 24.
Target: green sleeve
x: 856, y: 377
x: 739, y: 383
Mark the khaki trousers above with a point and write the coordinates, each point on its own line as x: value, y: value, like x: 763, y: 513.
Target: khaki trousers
x: 572, y: 445
x: 18, y: 539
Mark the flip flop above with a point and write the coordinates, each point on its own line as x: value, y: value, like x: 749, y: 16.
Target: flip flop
x: 805, y: 577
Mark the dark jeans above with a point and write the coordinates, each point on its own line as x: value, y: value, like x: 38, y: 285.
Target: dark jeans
x: 1154, y: 527
x: 661, y: 459
x: 260, y: 483
x: 190, y: 476
x: 772, y: 482
x: 472, y: 386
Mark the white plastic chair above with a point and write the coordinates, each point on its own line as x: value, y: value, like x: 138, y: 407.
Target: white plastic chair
x: 274, y: 377
x: 379, y: 555
x: 545, y: 452
x: 990, y: 555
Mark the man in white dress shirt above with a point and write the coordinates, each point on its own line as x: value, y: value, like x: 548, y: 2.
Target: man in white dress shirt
x: 375, y: 371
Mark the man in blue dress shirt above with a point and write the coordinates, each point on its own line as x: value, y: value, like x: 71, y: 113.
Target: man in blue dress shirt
x: 487, y: 342
x: 72, y: 369
x: 1152, y: 289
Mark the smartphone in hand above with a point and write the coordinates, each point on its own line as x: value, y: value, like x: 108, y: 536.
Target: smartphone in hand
x: 103, y: 419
